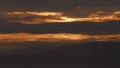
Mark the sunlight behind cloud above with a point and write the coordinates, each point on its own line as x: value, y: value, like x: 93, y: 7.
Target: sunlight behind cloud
x: 53, y: 17
x: 37, y: 13
x: 22, y: 37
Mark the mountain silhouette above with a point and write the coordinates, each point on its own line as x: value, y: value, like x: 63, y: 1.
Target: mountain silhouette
x: 93, y: 54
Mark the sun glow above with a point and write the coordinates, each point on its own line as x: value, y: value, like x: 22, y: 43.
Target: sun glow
x: 37, y: 13
x: 21, y: 37
x: 52, y: 17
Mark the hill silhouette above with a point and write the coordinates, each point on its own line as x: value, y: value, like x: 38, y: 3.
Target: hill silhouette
x: 95, y: 54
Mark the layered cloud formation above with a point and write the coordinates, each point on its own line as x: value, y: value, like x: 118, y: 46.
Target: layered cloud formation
x: 52, y: 17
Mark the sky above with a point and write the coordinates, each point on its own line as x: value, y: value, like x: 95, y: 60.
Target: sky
x: 33, y: 29
x: 70, y: 7
x: 26, y: 23
x: 52, y: 16
x: 63, y: 10
x: 58, y: 5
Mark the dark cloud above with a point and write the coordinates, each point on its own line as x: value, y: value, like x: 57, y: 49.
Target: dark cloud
x: 68, y: 6
x: 111, y: 27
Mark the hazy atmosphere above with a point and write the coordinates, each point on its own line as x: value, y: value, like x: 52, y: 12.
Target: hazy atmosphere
x: 59, y: 34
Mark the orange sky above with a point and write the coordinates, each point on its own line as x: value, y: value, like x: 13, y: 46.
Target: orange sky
x: 22, y: 37
x: 50, y: 17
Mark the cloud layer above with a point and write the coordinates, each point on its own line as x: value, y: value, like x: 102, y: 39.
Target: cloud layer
x: 52, y: 17
x: 60, y: 37
x: 62, y: 5
x: 110, y: 27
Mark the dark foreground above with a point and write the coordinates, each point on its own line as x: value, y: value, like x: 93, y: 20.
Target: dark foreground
x: 87, y: 55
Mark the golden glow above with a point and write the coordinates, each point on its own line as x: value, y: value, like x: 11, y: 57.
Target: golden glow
x: 117, y: 12
x: 37, y: 13
x: 21, y: 37
x: 32, y: 43
x: 99, y: 18
x: 52, y: 17
x: 66, y: 19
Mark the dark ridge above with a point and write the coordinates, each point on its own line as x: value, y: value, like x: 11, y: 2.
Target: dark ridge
x: 104, y: 51
x: 95, y: 54
x: 110, y: 27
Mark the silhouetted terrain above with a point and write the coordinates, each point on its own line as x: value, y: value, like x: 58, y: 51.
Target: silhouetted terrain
x: 87, y: 55
x: 110, y: 27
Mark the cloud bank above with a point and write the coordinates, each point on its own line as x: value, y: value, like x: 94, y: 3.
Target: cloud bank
x: 52, y: 17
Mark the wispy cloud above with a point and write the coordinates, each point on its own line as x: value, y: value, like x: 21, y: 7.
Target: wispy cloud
x: 23, y: 37
x: 51, y: 17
